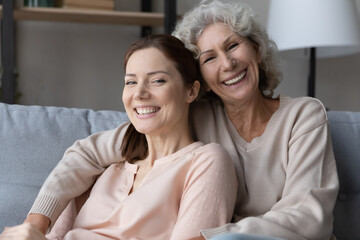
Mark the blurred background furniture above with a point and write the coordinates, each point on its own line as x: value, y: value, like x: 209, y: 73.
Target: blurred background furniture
x: 9, y: 13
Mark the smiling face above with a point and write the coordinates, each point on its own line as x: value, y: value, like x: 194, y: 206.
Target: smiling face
x: 228, y: 63
x: 155, y: 97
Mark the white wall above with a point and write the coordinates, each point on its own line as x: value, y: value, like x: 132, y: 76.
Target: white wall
x: 80, y: 65
x: 337, y: 79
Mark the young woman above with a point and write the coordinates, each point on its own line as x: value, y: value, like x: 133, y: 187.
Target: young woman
x: 165, y: 185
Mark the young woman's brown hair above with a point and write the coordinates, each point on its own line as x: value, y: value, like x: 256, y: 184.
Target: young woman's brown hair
x: 134, y: 146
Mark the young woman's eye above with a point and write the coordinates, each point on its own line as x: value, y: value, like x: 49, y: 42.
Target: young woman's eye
x: 159, y: 81
x: 130, y: 82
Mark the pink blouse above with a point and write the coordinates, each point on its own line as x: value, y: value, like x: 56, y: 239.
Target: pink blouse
x: 185, y: 192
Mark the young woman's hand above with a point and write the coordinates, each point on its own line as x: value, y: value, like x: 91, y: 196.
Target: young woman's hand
x: 39, y: 221
x: 25, y: 231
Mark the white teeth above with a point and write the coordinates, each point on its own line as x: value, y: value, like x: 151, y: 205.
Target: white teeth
x: 235, y: 80
x: 147, y: 110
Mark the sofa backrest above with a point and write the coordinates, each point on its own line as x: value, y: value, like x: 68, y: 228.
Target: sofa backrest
x: 345, y: 133
x: 32, y: 141
x: 34, y: 138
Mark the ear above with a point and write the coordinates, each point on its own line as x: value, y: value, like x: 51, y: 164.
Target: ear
x: 258, y: 54
x: 206, y: 87
x: 256, y: 48
x: 193, y: 92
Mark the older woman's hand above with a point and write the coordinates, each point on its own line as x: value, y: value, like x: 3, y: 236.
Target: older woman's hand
x: 24, y: 231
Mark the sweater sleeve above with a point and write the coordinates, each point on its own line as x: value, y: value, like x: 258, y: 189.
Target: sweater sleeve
x: 76, y: 172
x: 304, y: 211
x: 209, y: 193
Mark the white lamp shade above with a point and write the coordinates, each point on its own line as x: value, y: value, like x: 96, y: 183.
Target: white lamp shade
x: 332, y: 26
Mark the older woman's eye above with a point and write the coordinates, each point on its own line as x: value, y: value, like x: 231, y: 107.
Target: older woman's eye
x: 208, y: 59
x: 234, y: 45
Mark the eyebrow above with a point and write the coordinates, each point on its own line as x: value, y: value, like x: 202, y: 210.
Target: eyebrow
x: 211, y: 50
x: 149, y: 73
x: 156, y: 72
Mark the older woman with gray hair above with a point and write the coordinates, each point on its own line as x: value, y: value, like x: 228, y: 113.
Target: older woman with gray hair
x: 281, y: 146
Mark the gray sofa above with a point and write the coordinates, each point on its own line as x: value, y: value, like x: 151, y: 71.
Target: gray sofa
x: 34, y: 138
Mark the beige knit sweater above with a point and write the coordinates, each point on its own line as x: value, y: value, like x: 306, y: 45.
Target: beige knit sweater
x: 287, y: 177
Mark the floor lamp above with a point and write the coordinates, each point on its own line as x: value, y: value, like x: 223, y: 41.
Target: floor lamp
x: 328, y: 28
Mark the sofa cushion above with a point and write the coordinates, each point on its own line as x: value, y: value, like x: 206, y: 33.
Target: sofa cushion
x: 345, y: 133
x: 32, y: 141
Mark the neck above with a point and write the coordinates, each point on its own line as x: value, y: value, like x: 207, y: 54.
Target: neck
x: 250, y: 117
x: 163, y: 145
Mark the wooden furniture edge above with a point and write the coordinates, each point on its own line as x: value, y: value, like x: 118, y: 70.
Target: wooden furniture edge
x: 88, y: 16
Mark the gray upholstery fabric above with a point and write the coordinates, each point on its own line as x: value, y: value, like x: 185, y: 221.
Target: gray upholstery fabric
x: 345, y: 133
x: 32, y: 141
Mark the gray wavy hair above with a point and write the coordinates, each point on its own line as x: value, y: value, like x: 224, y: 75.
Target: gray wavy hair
x: 240, y: 19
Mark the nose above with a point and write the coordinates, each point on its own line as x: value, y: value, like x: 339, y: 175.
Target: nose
x: 227, y: 62
x: 141, y: 91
